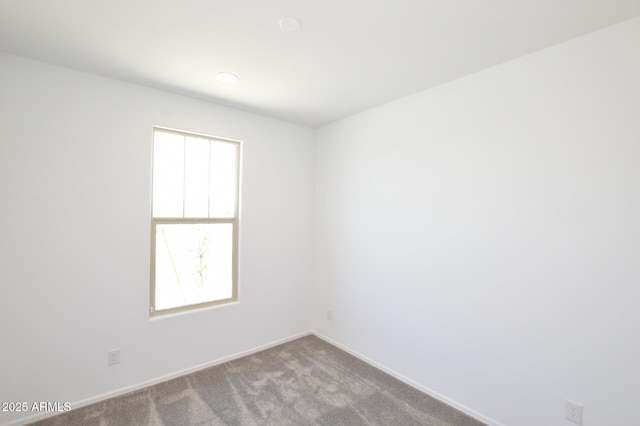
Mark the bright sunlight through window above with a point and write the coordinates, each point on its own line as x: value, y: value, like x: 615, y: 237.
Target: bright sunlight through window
x: 194, y: 221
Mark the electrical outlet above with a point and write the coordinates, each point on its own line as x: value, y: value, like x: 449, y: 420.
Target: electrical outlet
x: 329, y: 314
x: 113, y: 356
x: 574, y: 412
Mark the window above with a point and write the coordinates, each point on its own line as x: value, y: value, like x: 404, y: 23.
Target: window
x: 194, y: 224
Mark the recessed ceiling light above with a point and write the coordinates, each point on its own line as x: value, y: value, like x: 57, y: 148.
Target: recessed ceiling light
x: 290, y: 23
x: 227, y: 77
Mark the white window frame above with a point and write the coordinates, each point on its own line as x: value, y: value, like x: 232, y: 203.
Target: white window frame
x: 155, y: 221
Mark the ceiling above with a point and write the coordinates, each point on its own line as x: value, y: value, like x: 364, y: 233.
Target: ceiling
x: 348, y: 55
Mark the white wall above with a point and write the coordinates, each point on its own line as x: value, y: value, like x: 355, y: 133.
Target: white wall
x: 75, y: 154
x: 482, y: 239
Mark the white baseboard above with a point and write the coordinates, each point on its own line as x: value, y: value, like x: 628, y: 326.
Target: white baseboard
x: 461, y: 407
x: 142, y: 385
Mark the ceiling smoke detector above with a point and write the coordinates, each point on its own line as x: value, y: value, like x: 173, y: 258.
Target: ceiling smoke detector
x: 290, y: 23
x: 227, y: 77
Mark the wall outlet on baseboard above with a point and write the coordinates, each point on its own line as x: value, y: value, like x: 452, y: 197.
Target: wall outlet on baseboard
x: 113, y: 356
x: 574, y: 412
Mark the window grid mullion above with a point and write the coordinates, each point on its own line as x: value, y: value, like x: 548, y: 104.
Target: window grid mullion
x: 209, y: 183
x: 184, y: 175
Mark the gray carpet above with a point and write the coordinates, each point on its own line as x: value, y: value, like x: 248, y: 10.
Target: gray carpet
x: 303, y: 382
